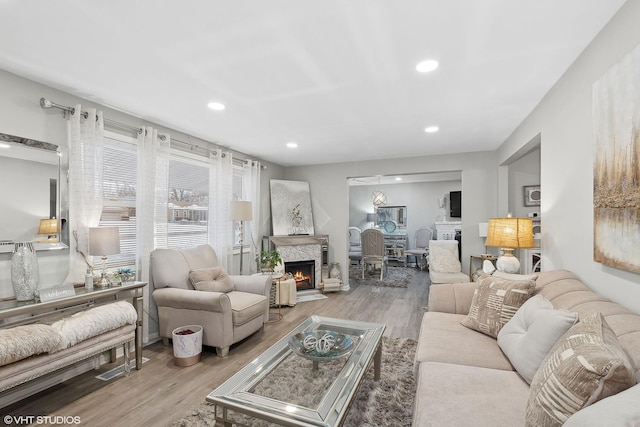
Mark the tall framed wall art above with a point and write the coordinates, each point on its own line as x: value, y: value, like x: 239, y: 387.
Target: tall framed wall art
x: 616, y: 171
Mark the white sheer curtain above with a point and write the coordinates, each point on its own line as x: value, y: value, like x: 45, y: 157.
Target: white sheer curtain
x: 220, y: 195
x: 86, y: 146
x: 151, y: 206
x: 251, y: 192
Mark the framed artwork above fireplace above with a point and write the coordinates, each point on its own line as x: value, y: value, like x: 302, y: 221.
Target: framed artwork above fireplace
x: 291, y: 208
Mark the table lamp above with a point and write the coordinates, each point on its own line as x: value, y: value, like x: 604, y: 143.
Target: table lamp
x: 50, y: 227
x: 241, y: 210
x: 509, y: 234
x: 371, y: 217
x: 104, y: 241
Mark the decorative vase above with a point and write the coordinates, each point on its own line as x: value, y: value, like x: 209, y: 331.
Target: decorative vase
x: 24, y: 271
x: 334, y: 273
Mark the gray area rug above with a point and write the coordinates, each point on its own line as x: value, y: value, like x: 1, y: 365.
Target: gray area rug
x: 394, y: 277
x: 388, y: 402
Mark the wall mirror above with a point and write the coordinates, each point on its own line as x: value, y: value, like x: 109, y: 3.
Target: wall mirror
x: 30, y: 171
x: 390, y: 218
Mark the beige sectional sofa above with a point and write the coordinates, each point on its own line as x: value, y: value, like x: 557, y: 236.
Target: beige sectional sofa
x: 464, y: 379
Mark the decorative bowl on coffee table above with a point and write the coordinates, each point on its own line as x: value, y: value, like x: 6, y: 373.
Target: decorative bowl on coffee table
x: 321, y: 345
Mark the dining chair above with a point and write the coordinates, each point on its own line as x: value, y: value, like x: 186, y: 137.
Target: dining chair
x: 373, y: 250
x: 421, y: 249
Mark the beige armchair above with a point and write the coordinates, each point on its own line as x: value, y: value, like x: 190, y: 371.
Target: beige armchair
x: 226, y: 317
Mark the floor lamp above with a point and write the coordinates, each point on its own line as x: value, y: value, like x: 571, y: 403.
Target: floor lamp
x: 241, y: 210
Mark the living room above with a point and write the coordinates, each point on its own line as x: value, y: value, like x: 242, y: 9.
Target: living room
x: 560, y: 127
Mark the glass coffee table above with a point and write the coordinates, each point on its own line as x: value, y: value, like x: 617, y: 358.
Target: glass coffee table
x: 284, y: 388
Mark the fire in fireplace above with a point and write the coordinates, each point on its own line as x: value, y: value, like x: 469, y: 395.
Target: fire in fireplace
x: 303, y: 272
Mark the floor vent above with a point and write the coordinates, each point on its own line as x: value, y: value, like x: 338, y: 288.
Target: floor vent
x: 118, y: 370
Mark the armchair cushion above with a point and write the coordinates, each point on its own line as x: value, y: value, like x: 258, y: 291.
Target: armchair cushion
x: 213, y: 279
x: 246, y: 306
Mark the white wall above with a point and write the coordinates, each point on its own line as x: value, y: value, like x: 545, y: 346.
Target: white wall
x: 564, y: 121
x: 522, y: 172
x: 330, y: 193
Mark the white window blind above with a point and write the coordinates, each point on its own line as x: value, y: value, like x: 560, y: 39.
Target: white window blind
x: 119, y: 200
x: 188, y: 200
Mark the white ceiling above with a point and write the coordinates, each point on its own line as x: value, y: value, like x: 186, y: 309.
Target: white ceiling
x: 335, y: 76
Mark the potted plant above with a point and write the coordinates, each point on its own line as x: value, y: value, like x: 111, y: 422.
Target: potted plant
x: 267, y: 260
x: 125, y: 275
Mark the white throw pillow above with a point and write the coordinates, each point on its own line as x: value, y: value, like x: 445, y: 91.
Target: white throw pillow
x: 532, y: 331
x: 444, y: 259
x: 621, y: 409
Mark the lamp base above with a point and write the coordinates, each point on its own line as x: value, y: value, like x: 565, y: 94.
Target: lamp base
x: 507, y: 263
x: 104, y: 282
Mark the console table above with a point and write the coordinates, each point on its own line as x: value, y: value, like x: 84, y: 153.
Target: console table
x: 14, y: 313
x: 395, y: 245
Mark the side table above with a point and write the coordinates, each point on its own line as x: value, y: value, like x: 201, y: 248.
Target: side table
x: 275, y: 292
x: 482, y: 258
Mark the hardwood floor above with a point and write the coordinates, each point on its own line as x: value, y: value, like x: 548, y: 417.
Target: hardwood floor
x: 162, y: 393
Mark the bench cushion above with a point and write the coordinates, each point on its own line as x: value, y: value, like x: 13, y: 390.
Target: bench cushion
x: 93, y: 322
x: 23, y: 341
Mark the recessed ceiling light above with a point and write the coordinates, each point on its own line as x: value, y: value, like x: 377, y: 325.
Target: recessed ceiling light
x: 3, y: 145
x: 398, y: 178
x: 216, y: 106
x: 431, y: 129
x: 292, y: 144
x: 426, y: 66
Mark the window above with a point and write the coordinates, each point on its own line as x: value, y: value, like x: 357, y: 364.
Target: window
x: 188, y: 200
x: 119, y: 196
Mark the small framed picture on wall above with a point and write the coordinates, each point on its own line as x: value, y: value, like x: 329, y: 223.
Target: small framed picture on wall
x: 531, y: 195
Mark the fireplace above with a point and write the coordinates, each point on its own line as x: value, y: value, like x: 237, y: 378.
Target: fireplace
x: 303, y: 272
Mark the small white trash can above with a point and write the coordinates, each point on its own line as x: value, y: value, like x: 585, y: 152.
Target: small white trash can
x: 187, y: 345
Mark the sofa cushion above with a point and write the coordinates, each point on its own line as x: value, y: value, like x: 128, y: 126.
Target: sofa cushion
x: 564, y: 290
x: 455, y: 395
x: 23, y: 341
x: 621, y: 409
x: 444, y: 258
x: 585, y: 365
x: 512, y: 276
x: 494, y: 303
x: 212, y: 279
x: 437, y: 277
x: 444, y: 339
x: 532, y: 331
x: 246, y: 306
